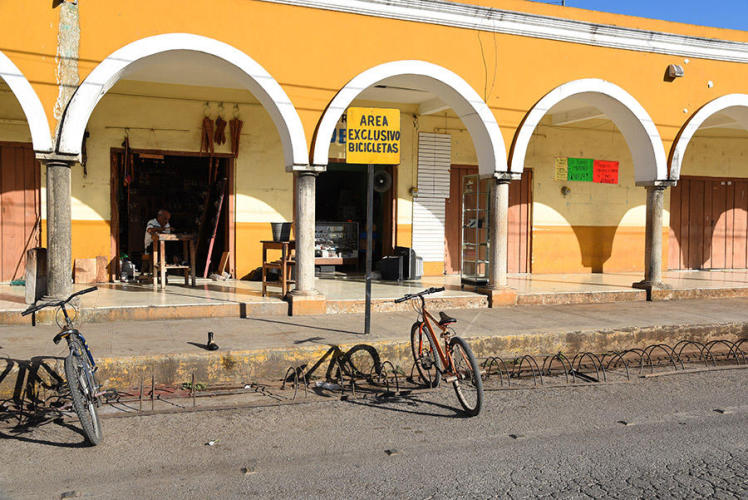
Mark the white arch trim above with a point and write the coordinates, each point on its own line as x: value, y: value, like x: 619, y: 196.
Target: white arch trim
x: 640, y: 132
x: 452, y: 89
x: 733, y: 105
x: 257, y: 80
x: 30, y: 103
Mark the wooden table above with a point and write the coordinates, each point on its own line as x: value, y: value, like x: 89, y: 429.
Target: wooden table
x: 284, y: 265
x: 159, y: 257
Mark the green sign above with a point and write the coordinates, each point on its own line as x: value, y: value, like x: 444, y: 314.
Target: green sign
x: 580, y: 169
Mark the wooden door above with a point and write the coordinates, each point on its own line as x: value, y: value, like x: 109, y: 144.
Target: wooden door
x: 20, y: 207
x: 519, y: 221
x: 453, y: 217
x: 709, y: 223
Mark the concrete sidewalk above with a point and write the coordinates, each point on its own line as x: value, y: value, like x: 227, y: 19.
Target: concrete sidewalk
x: 267, y: 346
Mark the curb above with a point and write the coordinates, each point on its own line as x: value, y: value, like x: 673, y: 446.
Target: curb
x: 239, y: 367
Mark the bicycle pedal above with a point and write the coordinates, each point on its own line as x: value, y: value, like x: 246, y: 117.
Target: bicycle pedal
x: 450, y: 379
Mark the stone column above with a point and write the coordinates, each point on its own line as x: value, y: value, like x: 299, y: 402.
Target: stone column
x: 497, y: 290
x: 59, y: 235
x: 305, y: 221
x: 498, y: 236
x: 304, y: 298
x: 653, y: 241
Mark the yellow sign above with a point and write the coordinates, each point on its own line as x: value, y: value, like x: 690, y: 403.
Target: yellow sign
x: 561, y: 171
x: 373, y: 136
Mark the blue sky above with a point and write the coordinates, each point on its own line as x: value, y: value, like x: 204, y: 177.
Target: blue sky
x: 720, y: 13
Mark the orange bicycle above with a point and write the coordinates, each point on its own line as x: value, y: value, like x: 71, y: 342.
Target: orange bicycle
x: 455, y: 362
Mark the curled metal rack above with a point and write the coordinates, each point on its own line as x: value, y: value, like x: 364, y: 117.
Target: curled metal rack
x: 589, y: 367
x: 384, y: 379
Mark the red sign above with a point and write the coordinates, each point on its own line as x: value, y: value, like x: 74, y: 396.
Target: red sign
x: 605, y: 172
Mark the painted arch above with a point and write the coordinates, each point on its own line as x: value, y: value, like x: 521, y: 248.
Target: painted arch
x: 733, y: 105
x: 448, y: 86
x: 638, y: 129
x: 256, y: 80
x: 30, y: 103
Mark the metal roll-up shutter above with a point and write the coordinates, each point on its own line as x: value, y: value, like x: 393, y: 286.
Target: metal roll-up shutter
x: 434, y: 159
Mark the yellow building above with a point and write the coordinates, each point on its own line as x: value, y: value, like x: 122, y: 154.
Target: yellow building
x: 121, y: 103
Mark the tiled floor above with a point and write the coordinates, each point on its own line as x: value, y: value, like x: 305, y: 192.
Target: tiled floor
x: 210, y: 292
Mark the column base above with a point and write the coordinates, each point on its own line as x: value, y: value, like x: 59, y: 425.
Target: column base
x: 502, y: 296
x: 656, y: 290
x: 306, y: 303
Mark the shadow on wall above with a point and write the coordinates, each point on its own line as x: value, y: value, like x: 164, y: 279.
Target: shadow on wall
x: 596, y: 245
x: 585, y: 226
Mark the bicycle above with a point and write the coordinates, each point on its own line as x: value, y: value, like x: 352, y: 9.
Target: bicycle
x: 80, y: 369
x: 455, y: 362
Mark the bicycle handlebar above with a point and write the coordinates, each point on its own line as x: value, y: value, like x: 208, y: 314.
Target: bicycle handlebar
x: 38, y: 307
x: 409, y: 296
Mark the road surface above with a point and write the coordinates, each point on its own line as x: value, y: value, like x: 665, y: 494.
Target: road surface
x: 678, y: 436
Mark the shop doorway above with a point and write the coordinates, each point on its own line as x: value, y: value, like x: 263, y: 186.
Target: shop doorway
x: 190, y: 187
x: 519, y: 221
x: 709, y: 223
x: 20, y: 208
x: 340, y: 240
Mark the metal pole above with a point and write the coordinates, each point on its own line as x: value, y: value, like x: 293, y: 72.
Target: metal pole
x: 369, y: 234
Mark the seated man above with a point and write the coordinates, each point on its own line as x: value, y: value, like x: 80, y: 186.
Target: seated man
x: 161, y: 225
x: 158, y: 225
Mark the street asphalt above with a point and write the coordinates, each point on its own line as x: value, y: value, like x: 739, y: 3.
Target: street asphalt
x: 679, y: 436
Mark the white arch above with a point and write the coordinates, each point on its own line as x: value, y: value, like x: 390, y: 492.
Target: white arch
x: 257, y: 80
x: 30, y: 103
x: 733, y: 105
x: 452, y: 89
x: 642, y: 137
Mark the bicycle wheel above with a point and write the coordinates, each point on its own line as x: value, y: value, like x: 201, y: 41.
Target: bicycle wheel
x: 424, y: 356
x: 468, y: 386
x: 363, y: 361
x: 82, y: 386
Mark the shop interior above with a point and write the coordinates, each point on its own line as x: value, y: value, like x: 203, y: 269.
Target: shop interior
x: 194, y: 189
x: 340, y: 236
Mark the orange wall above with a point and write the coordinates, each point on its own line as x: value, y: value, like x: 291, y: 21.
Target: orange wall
x: 297, y: 45
x: 584, y: 249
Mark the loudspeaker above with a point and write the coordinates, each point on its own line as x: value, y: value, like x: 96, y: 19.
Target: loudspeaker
x: 382, y: 181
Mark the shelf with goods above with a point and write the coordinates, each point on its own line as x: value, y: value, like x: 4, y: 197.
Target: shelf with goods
x: 476, y: 215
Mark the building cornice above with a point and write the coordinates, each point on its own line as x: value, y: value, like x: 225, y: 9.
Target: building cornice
x: 537, y: 26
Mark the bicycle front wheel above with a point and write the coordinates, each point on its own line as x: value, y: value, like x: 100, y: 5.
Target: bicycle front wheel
x: 83, y: 388
x: 424, y: 356
x: 468, y: 385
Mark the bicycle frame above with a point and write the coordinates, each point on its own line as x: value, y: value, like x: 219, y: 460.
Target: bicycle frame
x: 444, y: 355
x: 65, y: 333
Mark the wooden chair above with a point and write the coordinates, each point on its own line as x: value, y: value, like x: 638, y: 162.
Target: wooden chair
x: 285, y: 265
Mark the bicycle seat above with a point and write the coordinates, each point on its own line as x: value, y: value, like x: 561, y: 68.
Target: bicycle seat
x: 445, y: 319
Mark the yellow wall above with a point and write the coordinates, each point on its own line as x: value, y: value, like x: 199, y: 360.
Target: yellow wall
x: 303, y: 50
x: 722, y: 153
x: 595, y: 227
x: 296, y: 45
x: 13, y: 127
x: 263, y: 189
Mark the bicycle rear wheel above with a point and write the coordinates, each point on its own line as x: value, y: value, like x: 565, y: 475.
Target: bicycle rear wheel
x: 425, y: 356
x: 83, y: 388
x: 468, y: 386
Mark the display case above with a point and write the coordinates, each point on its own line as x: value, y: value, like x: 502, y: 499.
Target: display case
x: 336, y: 243
x: 475, y: 251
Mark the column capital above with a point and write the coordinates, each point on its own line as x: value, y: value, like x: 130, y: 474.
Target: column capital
x: 506, y: 177
x: 299, y: 168
x: 659, y: 185
x: 56, y: 159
